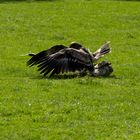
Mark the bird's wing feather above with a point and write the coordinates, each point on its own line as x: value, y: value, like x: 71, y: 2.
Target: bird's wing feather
x: 55, y: 49
x: 63, y: 61
x: 41, y: 55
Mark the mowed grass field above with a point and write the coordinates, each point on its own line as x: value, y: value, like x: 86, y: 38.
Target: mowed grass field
x: 86, y: 108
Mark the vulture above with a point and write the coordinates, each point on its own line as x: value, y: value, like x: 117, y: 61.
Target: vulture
x: 61, y: 59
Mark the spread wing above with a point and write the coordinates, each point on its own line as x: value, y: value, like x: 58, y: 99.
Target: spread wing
x: 41, y: 55
x: 64, y: 61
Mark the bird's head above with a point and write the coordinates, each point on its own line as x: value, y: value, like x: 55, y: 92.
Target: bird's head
x: 102, y: 69
x: 75, y: 45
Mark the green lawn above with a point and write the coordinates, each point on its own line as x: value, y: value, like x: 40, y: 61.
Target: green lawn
x: 86, y: 108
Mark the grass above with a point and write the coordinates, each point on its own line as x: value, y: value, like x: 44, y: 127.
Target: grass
x: 84, y: 108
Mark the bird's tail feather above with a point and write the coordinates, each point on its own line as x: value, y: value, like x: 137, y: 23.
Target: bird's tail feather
x: 102, y: 51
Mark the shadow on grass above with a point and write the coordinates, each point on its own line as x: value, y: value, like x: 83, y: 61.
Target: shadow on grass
x: 58, y: 77
x: 17, y: 1
x: 72, y: 76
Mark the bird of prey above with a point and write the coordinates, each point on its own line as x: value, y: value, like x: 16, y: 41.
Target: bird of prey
x: 59, y: 59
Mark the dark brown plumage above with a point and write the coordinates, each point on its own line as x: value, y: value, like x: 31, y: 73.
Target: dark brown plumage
x: 60, y: 59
